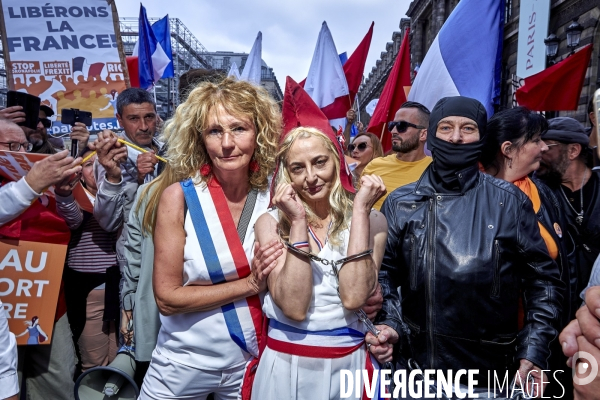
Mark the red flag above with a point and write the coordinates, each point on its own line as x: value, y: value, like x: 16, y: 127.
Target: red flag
x: 299, y: 109
x: 353, y: 69
x: 393, y: 95
x: 134, y: 74
x: 557, y: 88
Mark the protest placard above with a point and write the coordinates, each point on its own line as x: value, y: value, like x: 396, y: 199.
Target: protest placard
x: 14, y: 165
x: 66, y: 53
x: 30, y: 277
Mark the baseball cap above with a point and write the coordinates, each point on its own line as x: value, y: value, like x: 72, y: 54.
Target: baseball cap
x: 566, y: 130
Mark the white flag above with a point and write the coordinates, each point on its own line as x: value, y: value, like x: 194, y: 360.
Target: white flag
x: 252, y: 69
x: 326, y: 79
x: 234, y: 71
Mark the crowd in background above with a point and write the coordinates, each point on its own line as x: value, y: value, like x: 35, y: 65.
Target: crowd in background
x: 473, y: 243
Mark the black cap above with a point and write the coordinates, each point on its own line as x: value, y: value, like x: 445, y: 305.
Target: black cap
x: 47, y: 110
x: 566, y: 130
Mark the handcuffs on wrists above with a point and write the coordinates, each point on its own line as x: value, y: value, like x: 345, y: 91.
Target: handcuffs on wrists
x: 362, y: 316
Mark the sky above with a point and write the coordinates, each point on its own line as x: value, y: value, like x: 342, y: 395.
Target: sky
x: 289, y: 27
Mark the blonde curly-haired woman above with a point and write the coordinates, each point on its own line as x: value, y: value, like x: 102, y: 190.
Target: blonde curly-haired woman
x: 221, y: 147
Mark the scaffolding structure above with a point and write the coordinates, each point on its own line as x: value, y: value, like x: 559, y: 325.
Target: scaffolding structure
x: 3, y: 83
x: 188, y: 53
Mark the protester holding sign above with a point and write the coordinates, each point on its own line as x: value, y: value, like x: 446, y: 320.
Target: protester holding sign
x: 47, y: 369
x: 16, y: 197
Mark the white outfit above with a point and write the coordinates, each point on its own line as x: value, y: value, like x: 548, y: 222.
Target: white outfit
x: 9, y: 381
x: 200, y: 341
x: 15, y: 198
x: 294, y: 377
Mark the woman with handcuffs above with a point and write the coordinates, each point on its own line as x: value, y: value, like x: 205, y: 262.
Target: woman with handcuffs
x: 334, y: 244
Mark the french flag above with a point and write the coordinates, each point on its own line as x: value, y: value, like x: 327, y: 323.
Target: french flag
x: 465, y: 57
x: 155, y: 59
x: 333, y: 93
x: 326, y: 80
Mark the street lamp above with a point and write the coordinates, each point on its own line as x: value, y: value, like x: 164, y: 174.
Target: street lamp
x: 574, y: 35
x: 551, y: 43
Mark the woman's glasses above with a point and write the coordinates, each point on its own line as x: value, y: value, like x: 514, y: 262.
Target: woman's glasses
x: 402, y: 126
x: 360, y: 147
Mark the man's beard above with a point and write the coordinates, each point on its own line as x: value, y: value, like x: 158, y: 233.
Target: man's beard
x: 553, y: 174
x: 36, y: 137
x: 406, y: 145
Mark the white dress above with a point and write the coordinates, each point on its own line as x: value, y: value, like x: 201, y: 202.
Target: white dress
x: 281, y: 375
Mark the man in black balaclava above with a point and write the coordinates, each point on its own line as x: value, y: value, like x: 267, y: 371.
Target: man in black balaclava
x: 464, y: 247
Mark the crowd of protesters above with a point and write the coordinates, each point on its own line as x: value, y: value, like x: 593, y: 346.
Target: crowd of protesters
x: 269, y: 252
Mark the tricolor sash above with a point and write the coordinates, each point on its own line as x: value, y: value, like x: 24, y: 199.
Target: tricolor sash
x: 225, y: 260
x: 331, y: 343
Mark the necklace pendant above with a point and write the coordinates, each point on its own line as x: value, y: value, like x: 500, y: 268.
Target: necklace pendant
x: 579, y: 220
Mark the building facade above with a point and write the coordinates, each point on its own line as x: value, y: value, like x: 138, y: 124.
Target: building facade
x: 223, y: 60
x: 426, y: 17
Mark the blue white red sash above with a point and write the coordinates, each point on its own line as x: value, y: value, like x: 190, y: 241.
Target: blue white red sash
x: 332, y: 343
x: 225, y: 260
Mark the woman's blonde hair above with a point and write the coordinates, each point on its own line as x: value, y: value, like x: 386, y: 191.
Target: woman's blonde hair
x: 186, y: 150
x: 339, y: 199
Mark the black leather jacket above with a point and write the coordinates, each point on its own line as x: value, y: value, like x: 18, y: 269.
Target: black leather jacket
x: 551, y: 216
x: 461, y: 261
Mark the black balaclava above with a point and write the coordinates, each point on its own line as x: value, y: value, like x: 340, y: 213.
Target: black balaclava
x: 450, y: 158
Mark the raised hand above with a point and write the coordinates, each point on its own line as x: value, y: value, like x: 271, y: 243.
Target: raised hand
x: 371, y: 190
x: 14, y: 114
x: 81, y: 134
x: 65, y: 187
x: 287, y: 200
x: 51, y: 170
x: 111, y: 153
x: 145, y: 165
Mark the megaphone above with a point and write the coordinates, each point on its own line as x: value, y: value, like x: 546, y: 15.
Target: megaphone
x: 113, y: 382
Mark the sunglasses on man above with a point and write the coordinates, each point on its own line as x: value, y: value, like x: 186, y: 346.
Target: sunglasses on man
x: 45, y: 122
x: 360, y: 147
x: 402, y: 126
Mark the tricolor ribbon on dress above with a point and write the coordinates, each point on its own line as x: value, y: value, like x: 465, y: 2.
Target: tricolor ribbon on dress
x: 225, y: 259
x: 332, y: 343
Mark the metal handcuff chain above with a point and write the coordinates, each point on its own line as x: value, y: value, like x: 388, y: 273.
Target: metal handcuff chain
x: 362, y: 316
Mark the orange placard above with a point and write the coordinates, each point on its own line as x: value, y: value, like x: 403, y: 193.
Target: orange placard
x: 15, y: 165
x: 30, y: 277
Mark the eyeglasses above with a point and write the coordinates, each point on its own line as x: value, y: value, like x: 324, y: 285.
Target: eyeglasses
x: 402, y: 126
x: 16, y: 146
x: 552, y: 144
x: 45, y: 122
x: 360, y: 147
x: 218, y: 133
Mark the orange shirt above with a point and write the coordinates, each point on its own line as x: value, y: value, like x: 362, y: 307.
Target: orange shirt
x: 529, y: 188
